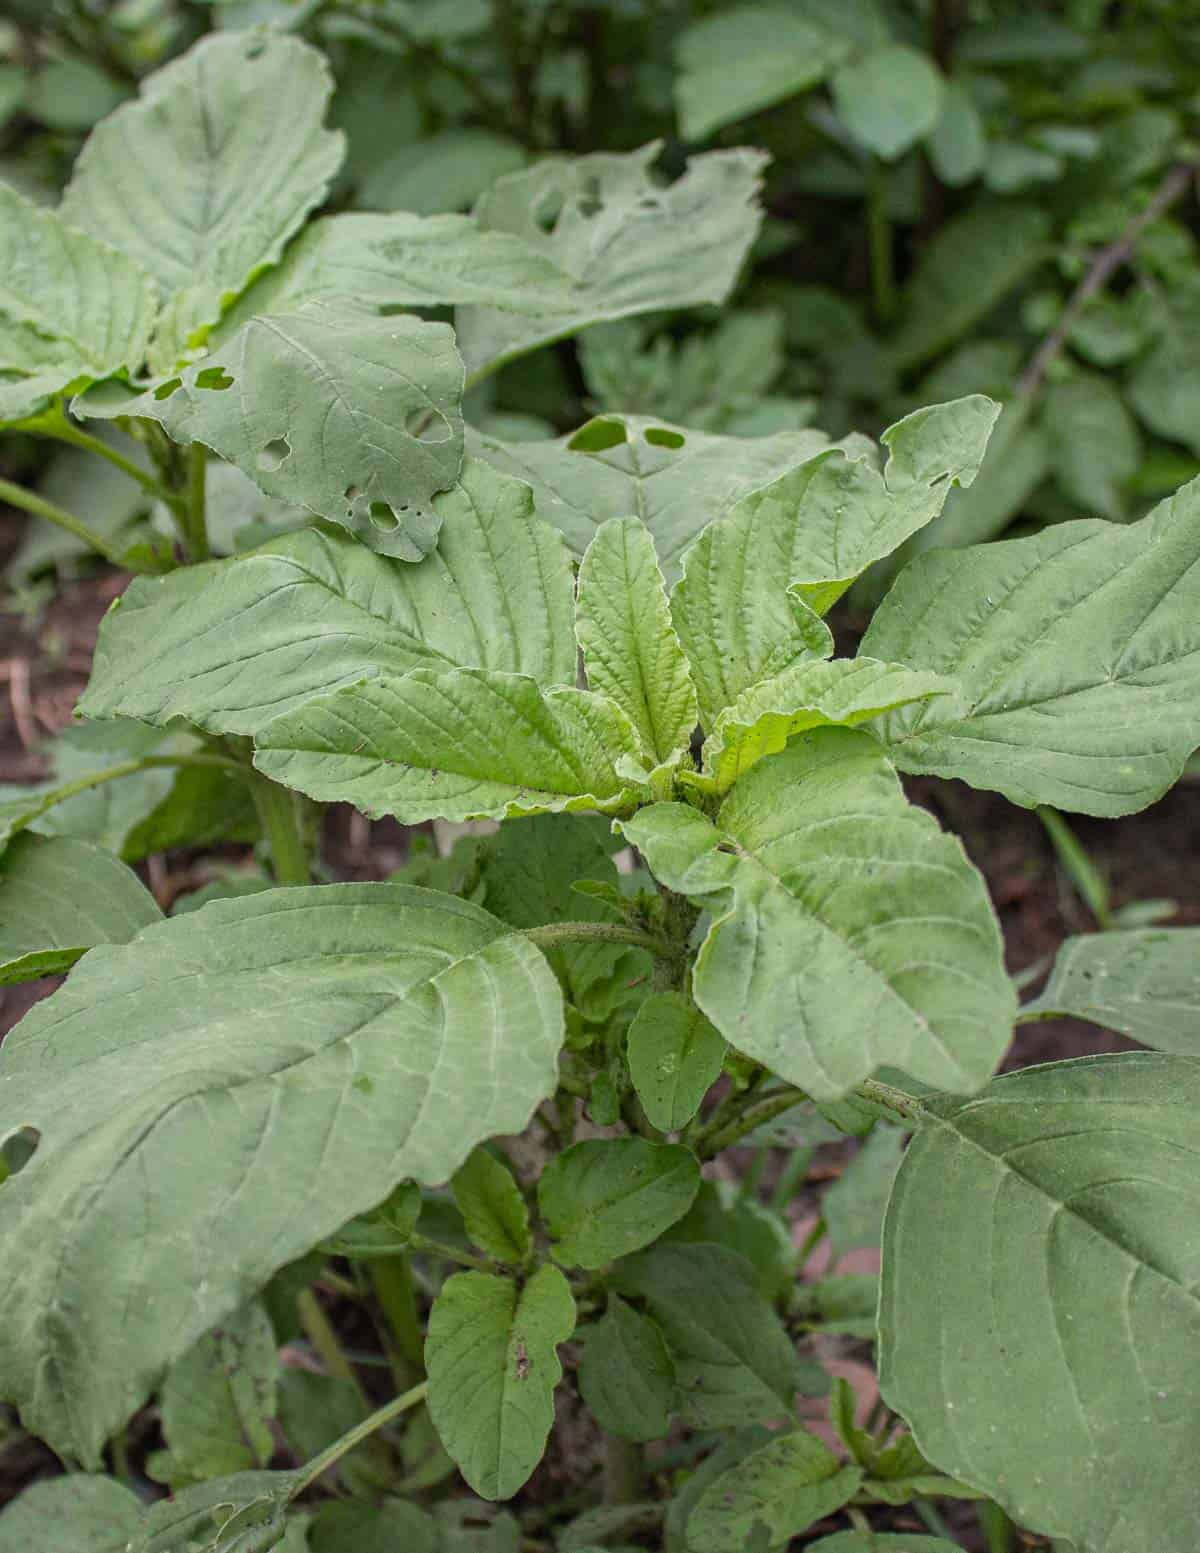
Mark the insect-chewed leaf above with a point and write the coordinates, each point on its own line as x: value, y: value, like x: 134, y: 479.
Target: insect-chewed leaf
x: 492, y: 1207
x: 1143, y: 983
x: 1076, y: 657
x: 231, y: 644
x: 396, y: 1027
x: 1070, y: 1393
x: 674, y: 1054
x: 244, y: 1513
x: 72, y: 1514
x: 874, y: 939
x: 626, y: 1375
x: 493, y: 1366
x: 606, y: 1197
x: 785, y: 1486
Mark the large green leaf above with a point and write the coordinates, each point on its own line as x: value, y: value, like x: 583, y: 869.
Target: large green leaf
x: 312, y: 1047
x: 1143, y: 983
x: 58, y: 898
x: 208, y: 174
x: 675, y: 1055
x: 626, y: 1375
x: 889, y: 98
x: 630, y: 651
x: 493, y: 1366
x: 231, y: 644
x: 630, y: 243
x: 464, y: 744
x: 677, y: 481
x: 784, y: 1486
x: 1040, y: 1328
x: 356, y: 418
x: 848, y: 931
x: 606, y: 1197
x: 1075, y: 654
x: 72, y: 309
x: 72, y: 1514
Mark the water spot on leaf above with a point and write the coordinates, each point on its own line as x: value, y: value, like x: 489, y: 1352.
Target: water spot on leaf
x: 660, y: 437
x: 271, y: 456
x: 597, y: 436
x: 215, y: 378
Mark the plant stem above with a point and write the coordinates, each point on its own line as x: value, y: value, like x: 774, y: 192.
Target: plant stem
x: 197, y: 523
x: 791, y: 1177
x: 879, y: 239
x: 711, y: 1143
x: 551, y: 934
x: 122, y: 1469
x: 898, y: 1100
x: 369, y: 1426
x: 276, y: 808
x: 428, y: 1247
x: 124, y: 768
x: 1078, y: 866
x: 30, y: 501
x: 929, y: 1514
x: 319, y: 1330
x: 622, y: 1471
x: 995, y: 1525
x: 61, y: 430
x: 391, y: 1278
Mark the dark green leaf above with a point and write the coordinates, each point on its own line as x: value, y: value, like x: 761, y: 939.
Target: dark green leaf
x: 626, y: 1374
x: 604, y: 1198
x: 492, y: 1207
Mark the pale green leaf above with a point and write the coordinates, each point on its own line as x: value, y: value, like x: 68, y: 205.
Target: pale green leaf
x: 630, y: 243
x: 446, y: 171
x: 1142, y: 983
x: 1041, y: 1331
x: 853, y: 1206
x: 785, y: 1486
x: 675, y: 1056
x: 493, y: 1210
x: 312, y: 1047
x: 355, y: 1527
x: 493, y: 1366
x: 73, y: 1514
x: 1095, y: 448
x: 889, y: 98
x: 464, y: 744
x: 58, y: 898
x: 957, y: 143
x: 231, y: 644
x: 218, y: 1399
x: 208, y: 174
x: 245, y: 1513
x: 1076, y: 657
x: 630, y: 651
x: 848, y: 931
x: 626, y: 1375
x: 603, y: 1198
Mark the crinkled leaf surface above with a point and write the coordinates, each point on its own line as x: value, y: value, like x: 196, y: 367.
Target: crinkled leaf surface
x: 72, y: 1514
x: 785, y: 1486
x: 1076, y: 657
x: 606, y: 1197
x: 58, y: 898
x: 230, y: 644
x: 493, y: 1366
x: 208, y: 174
x: 218, y: 1399
x: 889, y: 98
x: 1041, y: 1329
x: 675, y: 1056
x: 225, y: 1092
x: 494, y: 1212
x: 356, y: 418
x: 626, y: 1375
x: 630, y: 243
x: 465, y: 744
x: 848, y: 931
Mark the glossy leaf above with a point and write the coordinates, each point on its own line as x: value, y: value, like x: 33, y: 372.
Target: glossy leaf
x: 493, y: 1210
x: 626, y: 1375
x: 73, y: 1514
x: 889, y: 98
x: 785, y: 1486
x: 606, y: 1197
x: 675, y: 1056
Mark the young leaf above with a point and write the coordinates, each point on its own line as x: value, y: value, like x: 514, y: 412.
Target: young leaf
x: 493, y: 1368
x: 355, y: 1527
x: 231, y: 644
x: 395, y: 1027
x: 1069, y: 1393
x: 626, y: 1375
x: 1074, y: 655
x: 58, y: 898
x: 357, y: 419
x: 853, y: 1206
x: 874, y: 938
x: 630, y: 651
x: 492, y: 1207
x: 465, y: 744
x: 606, y: 1197
x: 72, y: 1514
x: 629, y: 243
x: 785, y: 1486
x: 888, y: 98
x: 1142, y: 983
x: 675, y: 1056
x: 208, y: 174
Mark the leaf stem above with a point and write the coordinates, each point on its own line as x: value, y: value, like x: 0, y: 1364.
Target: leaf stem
x: 879, y: 239
x: 898, y: 1100
x: 732, y: 1128
x: 57, y: 426
x: 369, y: 1426
x: 124, y: 768
x: 197, y: 523
x: 551, y: 934
x: 276, y: 808
x: 319, y: 1330
x: 392, y: 1281
x: 436, y: 1248
x: 30, y: 501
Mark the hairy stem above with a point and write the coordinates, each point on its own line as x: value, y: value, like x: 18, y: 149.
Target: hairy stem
x: 551, y: 934
x: 369, y: 1426
x: 123, y: 768
x: 898, y: 1100
x: 30, y: 501
x: 195, y: 507
x: 276, y: 808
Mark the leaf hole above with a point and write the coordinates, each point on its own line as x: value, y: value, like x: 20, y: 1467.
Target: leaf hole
x: 547, y: 210
x: 272, y: 456
x: 165, y: 390
x: 352, y: 492
x: 256, y: 45
x: 17, y: 1150
x: 428, y: 425
x: 597, y: 436
x: 590, y: 202
x: 383, y: 518
x: 660, y: 437
x: 215, y: 378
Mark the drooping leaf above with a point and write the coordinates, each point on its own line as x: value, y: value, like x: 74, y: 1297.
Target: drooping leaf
x: 853, y: 1206
x: 492, y: 1207
x: 72, y: 1514
x: 58, y: 898
x: 675, y: 1056
x: 626, y: 1375
x: 630, y: 651
x: 465, y: 744
x: 630, y: 243
x: 231, y: 644
x: 356, y: 1527
x: 313, y: 1047
x: 603, y: 1198
x: 1074, y: 654
x: 873, y: 937
x: 785, y: 1486
x: 493, y: 1366
x: 1069, y: 1393
x: 889, y: 98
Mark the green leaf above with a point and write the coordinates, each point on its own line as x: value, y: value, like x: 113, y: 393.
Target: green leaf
x: 1074, y: 655
x: 1069, y: 1393
x: 71, y: 309
x: 231, y: 644
x: 493, y: 1368
x: 355, y: 1527
x: 889, y: 98
x: 73, y: 1514
x: 464, y: 1527
x: 606, y: 1197
x: 882, y: 1542
x: 466, y: 744
x: 957, y: 143
x: 68, y: 93
x: 785, y: 1486
x: 873, y: 937
x: 208, y: 174
x: 58, y: 898
x: 1141, y: 983
x: 79, y: 481
x: 244, y: 1513
x: 312, y: 1046
x: 1094, y: 443
x: 734, y: 1362
x: 845, y: 1302
x: 675, y: 1057
x: 492, y: 1207
x: 677, y: 481
x: 385, y: 1230
x: 357, y: 419
x: 727, y: 1454
x: 630, y: 651
x: 853, y: 1206
x: 721, y: 1216
x: 778, y: 53
x: 445, y: 171
x: 630, y: 243
x: 626, y: 1375
x: 204, y: 808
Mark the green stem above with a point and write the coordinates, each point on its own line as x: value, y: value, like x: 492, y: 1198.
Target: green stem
x: 61, y: 430
x: 711, y: 1142
x: 933, y: 1521
x: 879, y: 238
x: 551, y: 934
x: 898, y: 1100
x: 1078, y: 866
x: 791, y: 1178
x: 276, y: 808
x: 122, y: 1468
x: 812, y: 1240
x: 428, y: 1247
x: 391, y: 1278
x: 369, y: 1426
x: 319, y: 1330
x: 30, y: 501
x: 995, y: 1525
x: 622, y: 1471
x: 197, y: 523
x: 124, y: 768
